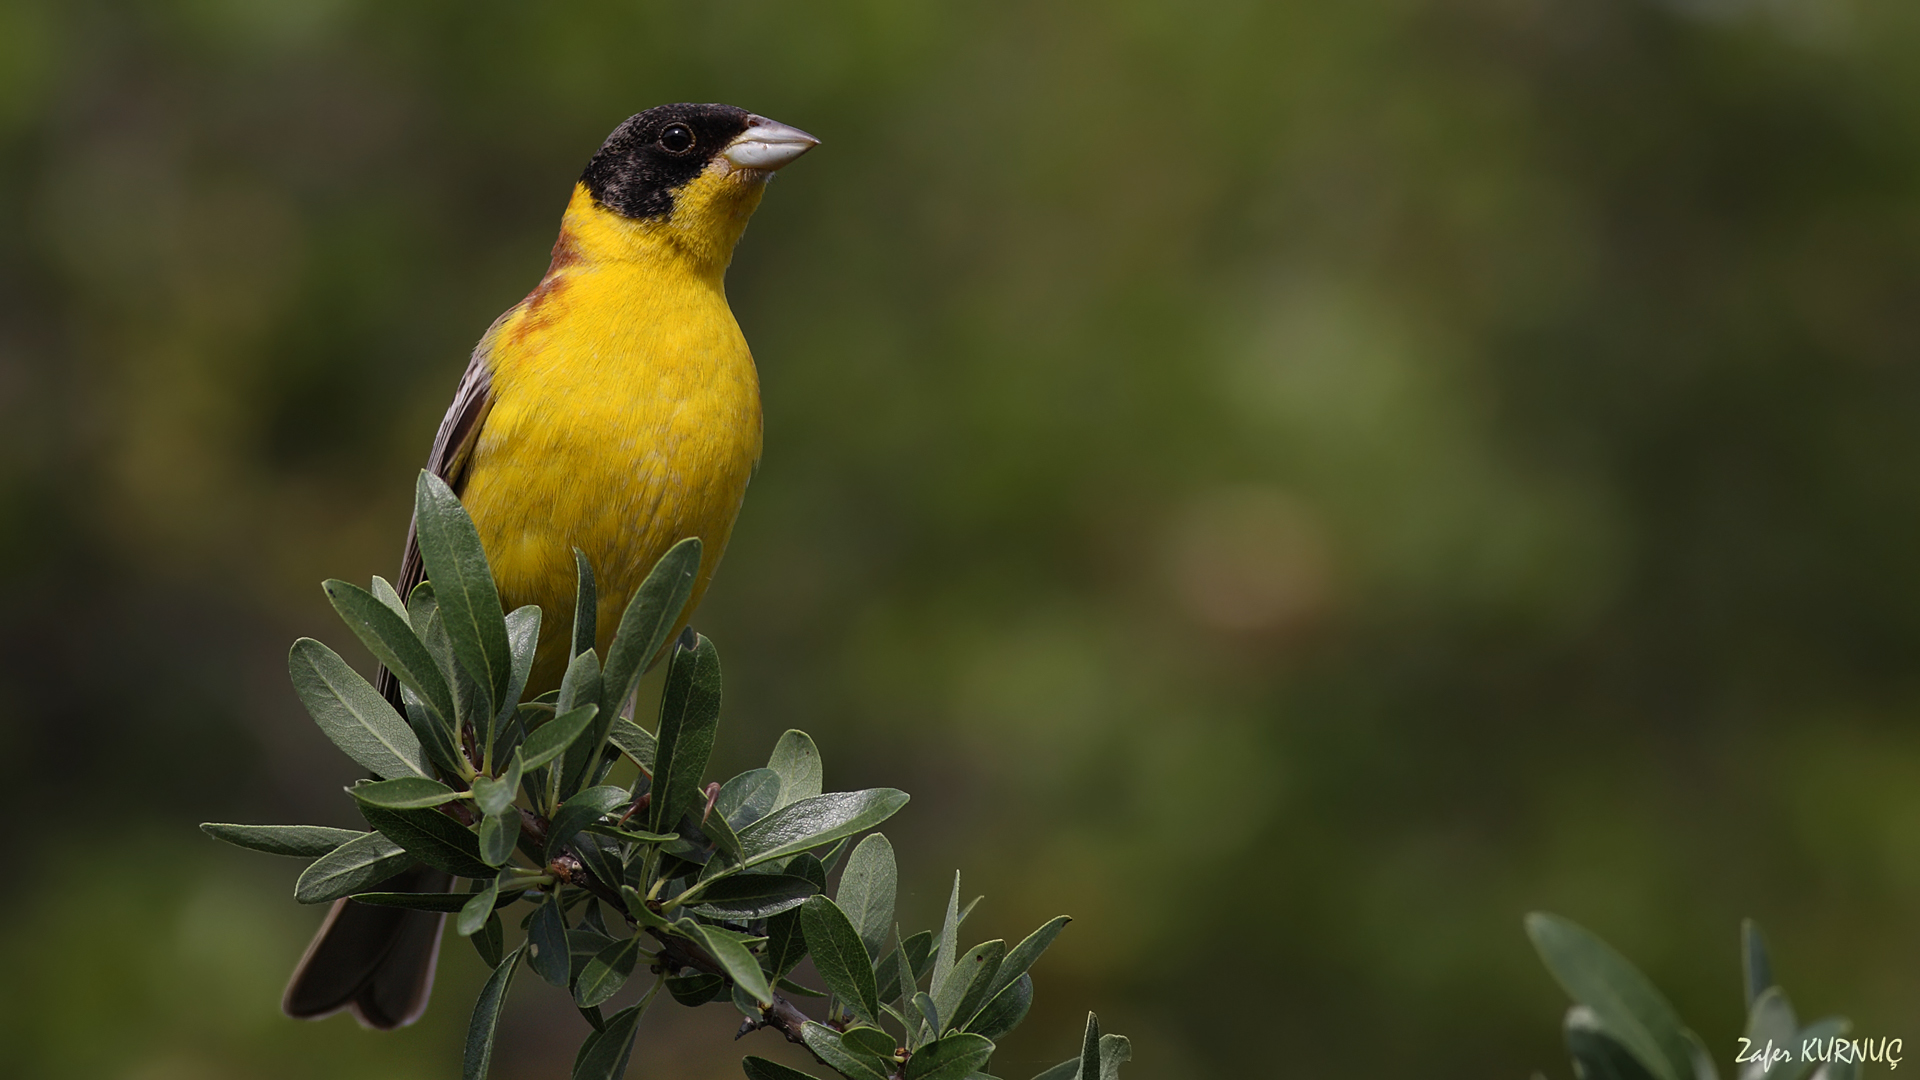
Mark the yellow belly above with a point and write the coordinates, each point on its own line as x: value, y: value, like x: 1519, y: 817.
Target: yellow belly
x: 626, y: 417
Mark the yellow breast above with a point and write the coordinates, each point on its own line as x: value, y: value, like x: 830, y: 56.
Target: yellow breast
x: 625, y: 417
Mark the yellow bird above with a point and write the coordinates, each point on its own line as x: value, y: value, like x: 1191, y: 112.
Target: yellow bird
x: 616, y: 409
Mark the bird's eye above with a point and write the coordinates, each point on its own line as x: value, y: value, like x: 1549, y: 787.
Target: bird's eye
x: 676, y: 139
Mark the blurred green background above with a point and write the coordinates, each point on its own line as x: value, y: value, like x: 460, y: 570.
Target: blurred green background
x: 1295, y: 486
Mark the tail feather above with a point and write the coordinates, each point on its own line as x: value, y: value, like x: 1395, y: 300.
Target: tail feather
x: 377, y: 962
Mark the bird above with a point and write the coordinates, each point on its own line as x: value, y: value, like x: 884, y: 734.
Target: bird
x: 616, y: 410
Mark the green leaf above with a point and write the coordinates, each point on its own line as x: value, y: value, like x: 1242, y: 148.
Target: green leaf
x: 392, y: 642
x: 523, y: 639
x: 634, y: 741
x: 969, y: 986
x: 583, y: 944
x: 421, y: 901
x: 383, y: 591
x: 303, y: 841
x: 644, y: 915
x: 730, y: 950
x: 818, y: 820
x: 1022, y: 958
x: 607, y: 972
x: 689, y: 714
x: 954, y: 1057
x: 716, y: 829
x: 350, y: 868
x: 929, y: 1012
x: 586, y: 604
x: 494, y: 795
x: 649, y: 618
x: 696, y: 990
x: 582, y: 685
x: 604, y: 1055
x: 1596, y: 1054
x: 475, y: 912
x: 406, y: 793
x: 552, y: 738
x: 1004, y: 1011
x: 582, y: 810
x: 1754, y: 962
x: 797, y: 762
x: 353, y: 714
x: 786, y: 944
x: 867, y: 891
x: 1818, y: 1033
x: 1771, y: 1024
x: 489, y: 942
x: 463, y: 586
x: 949, y: 943
x: 1627, y: 1006
x: 432, y: 837
x: 1117, y: 1050
x: 498, y: 835
x: 748, y: 797
x: 842, y: 960
x: 851, y: 1060
x: 486, y: 1018
x: 831, y: 857
x: 759, y: 1068
x: 436, y: 738
x: 795, y: 988
x: 1066, y: 1070
x: 1090, y: 1049
x: 873, y: 1040
x: 635, y: 835
x: 918, y: 952
x: 548, y: 952
x: 746, y: 897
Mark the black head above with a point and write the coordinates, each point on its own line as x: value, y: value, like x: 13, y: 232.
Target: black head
x: 657, y: 152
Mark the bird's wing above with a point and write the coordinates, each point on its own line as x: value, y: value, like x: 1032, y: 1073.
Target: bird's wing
x: 452, y: 451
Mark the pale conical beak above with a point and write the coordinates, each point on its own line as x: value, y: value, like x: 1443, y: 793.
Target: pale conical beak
x: 767, y: 145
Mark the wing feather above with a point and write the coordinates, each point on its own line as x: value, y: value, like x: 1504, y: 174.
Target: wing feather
x: 452, y: 452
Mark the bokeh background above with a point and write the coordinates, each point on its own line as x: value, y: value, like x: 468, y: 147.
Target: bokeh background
x: 1296, y: 486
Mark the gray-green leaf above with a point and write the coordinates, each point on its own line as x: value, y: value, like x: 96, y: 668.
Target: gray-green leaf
x: 548, y: 952
x: 867, y: 890
x: 432, y: 837
x: 649, y: 618
x: 1005, y: 1010
x: 405, y: 793
x: 843, y: 961
x: 582, y: 810
x: 604, y: 1055
x: 303, y: 841
x: 1626, y: 1004
x: 746, y: 897
x: 553, y: 738
x: 730, y: 949
x: 851, y: 1060
x: 947, y: 952
x: 797, y: 762
x: 392, y: 642
x: 350, y: 868
x: 353, y: 714
x: 474, y: 913
x: 818, y: 820
x: 607, y: 972
x: 954, y: 1057
x: 759, y: 1068
x: 486, y: 1018
x: 689, y: 715
x: 463, y: 587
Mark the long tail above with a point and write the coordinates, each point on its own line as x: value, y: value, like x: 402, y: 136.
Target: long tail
x: 377, y: 962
